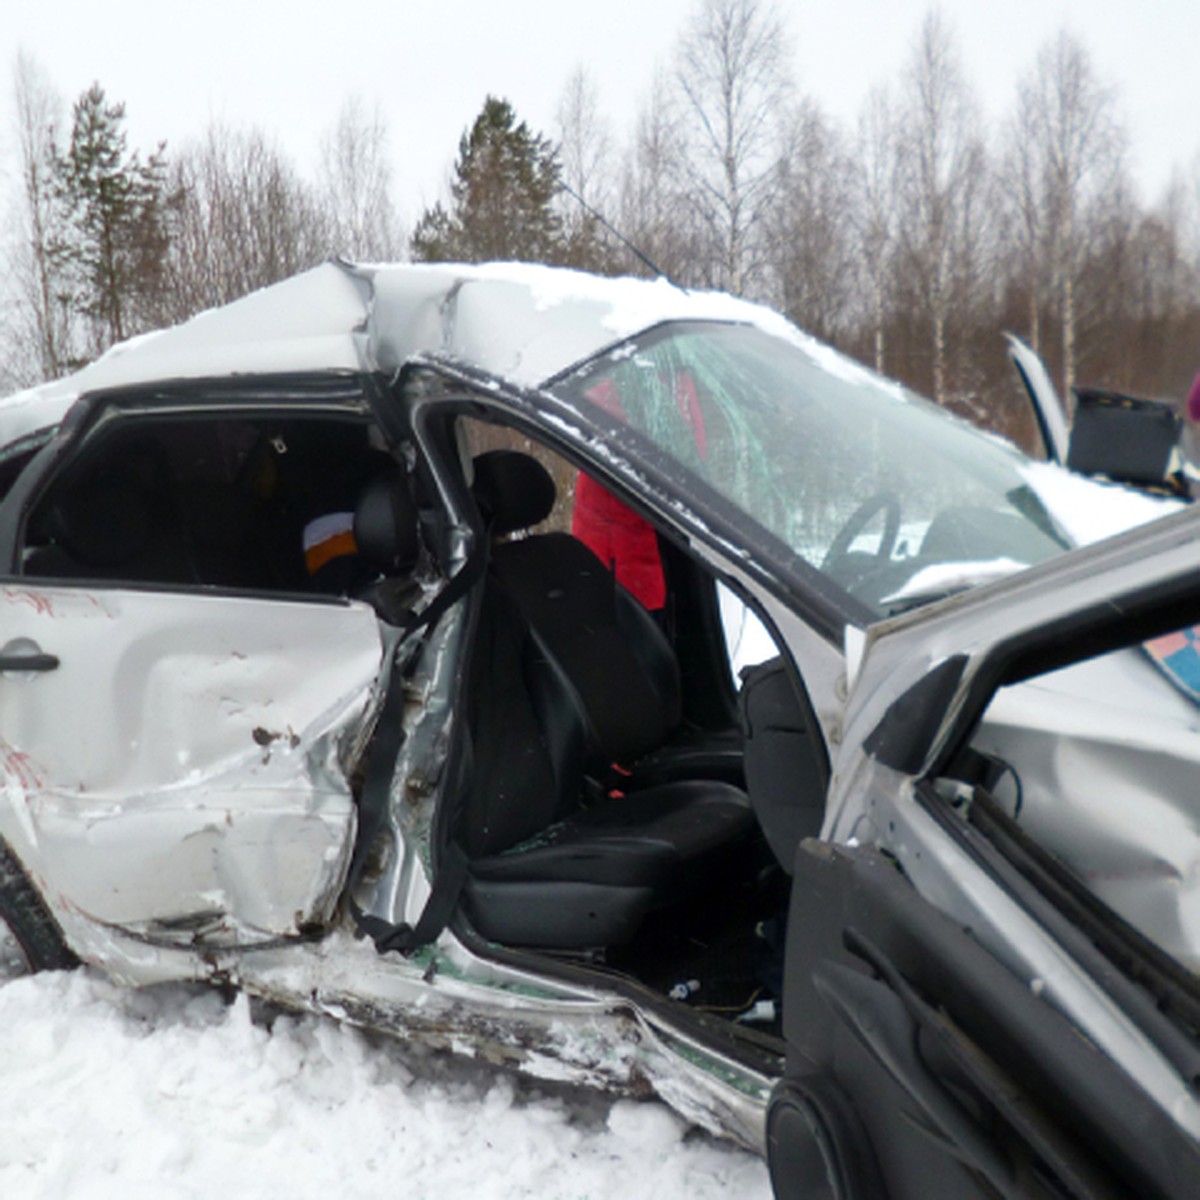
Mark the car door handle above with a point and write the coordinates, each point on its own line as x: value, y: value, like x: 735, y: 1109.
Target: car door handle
x: 28, y: 662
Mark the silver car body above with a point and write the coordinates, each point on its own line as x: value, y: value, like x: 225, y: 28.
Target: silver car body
x: 193, y: 834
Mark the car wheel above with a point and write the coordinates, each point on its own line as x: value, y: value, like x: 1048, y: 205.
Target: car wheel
x: 30, y: 939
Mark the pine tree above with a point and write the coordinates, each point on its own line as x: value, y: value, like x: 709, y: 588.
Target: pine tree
x: 506, y: 179
x: 114, y: 208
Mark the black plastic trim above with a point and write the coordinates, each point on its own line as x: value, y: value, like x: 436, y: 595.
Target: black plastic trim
x: 902, y: 738
x: 1056, y: 1093
x: 28, y: 662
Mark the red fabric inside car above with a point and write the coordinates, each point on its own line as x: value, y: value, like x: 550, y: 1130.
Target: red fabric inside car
x: 625, y: 542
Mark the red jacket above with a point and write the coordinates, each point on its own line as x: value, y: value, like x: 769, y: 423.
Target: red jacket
x: 623, y: 541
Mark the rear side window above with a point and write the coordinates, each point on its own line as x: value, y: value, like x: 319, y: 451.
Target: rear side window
x: 213, y: 501
x: 17, y: 459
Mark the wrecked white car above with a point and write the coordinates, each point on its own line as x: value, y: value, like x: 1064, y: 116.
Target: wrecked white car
x: 306, y: 689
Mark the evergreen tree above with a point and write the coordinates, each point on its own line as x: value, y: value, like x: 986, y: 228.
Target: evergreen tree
x: 506, y: 179
x: 114, y: 208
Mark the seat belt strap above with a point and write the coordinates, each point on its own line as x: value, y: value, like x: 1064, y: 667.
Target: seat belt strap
x: 385, y: 749
x: 381, y: 766
x: 435, y: 916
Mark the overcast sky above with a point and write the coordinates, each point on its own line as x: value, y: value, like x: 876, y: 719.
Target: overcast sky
x: 287, y: 65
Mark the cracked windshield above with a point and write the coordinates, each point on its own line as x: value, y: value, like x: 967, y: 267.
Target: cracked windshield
x: 820, y: 452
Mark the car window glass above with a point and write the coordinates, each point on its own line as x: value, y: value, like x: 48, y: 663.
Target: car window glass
x: 219, y: 501
x: 747, y: 641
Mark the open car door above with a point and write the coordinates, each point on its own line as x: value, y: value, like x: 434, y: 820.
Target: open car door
x: 1052, y: 419
x: 1128, y: 439
x: 967, y: 1013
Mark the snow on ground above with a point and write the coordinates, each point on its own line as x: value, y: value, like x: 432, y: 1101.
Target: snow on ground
x: 168, y: 1094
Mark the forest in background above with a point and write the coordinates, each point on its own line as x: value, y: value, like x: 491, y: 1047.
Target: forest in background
x: 911, y: 238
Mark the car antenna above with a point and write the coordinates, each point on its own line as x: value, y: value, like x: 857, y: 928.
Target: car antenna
x: 642, y: 258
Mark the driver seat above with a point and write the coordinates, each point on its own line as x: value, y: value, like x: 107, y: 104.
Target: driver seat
x: 613, y: 655
x: 553, y: 862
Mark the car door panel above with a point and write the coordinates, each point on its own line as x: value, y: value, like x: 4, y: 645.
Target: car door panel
x: 178, y: 771
x: 942, y: 1063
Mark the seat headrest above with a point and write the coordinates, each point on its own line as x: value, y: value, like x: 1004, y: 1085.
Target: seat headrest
x: 386, y: 521
x: 513, y: 490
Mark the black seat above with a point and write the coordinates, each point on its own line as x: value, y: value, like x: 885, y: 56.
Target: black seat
x: 787, y: 773
x: 611, y: 650
x: 554, y: 863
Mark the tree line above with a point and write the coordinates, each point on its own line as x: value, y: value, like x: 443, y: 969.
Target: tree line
x: 910, y: 238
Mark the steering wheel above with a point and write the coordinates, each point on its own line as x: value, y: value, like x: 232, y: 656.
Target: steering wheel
x: 845, y: 564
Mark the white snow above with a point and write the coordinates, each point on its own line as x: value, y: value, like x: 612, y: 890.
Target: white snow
x: 525, y: 322
x: 943, y: 578
x: 1090, y: 510
x: 307, y: 323
x: 167, y: 1094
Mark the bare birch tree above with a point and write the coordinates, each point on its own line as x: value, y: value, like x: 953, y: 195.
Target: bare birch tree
x: 1189, y: 184
x: 1026, y: 210
x: 942, y: 167
x: 875, y: 210
x: 656, y: 215
x: 245, y: 219
x: 733, y: 80
x: 1075, y: 151
x: 585, y: 157
x: 811, y: 225
x: 355, y: 184
x: 40, y: 328
x: 584, y: 141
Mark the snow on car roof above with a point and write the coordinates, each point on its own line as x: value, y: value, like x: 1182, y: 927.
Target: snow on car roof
x: 524, y: 322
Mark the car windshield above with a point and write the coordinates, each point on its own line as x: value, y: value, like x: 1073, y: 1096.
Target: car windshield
x: 889, y: 496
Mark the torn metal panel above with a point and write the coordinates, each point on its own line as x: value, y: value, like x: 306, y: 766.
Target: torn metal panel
x: 1107, y: 759
x: 396, y: 882
x: 542, y: 1028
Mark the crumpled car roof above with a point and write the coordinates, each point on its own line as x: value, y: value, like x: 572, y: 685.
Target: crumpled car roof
x: 523, y: 322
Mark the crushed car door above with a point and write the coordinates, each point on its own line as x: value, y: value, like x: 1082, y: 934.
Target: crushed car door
x: 173, y: 763
x: 182, y: 685
x: 920, y: 1066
